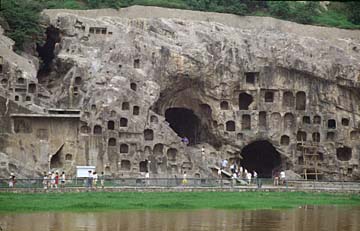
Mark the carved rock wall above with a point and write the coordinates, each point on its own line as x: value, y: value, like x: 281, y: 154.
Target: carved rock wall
x: 129, y: 83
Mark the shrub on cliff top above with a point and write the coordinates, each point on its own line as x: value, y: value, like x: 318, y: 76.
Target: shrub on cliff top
x: 22, y: 17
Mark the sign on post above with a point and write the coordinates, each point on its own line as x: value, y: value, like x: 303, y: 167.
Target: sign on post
x: 83, y: 171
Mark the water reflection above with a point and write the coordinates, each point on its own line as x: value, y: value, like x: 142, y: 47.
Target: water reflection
x: 305, y: 218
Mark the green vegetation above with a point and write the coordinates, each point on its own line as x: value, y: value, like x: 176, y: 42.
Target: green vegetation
x: 22, y: 16
x: 106, y: 201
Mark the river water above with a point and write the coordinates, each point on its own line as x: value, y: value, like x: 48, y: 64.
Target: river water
x: 312, y: 218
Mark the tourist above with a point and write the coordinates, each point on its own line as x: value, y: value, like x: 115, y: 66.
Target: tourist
x: 185, y: 140
x: 282, y: 177
x: 56, y: 179
x: 184, y: 180
x: 49, y: 180
x: 233, y: 177
x: 12, y: 180
x: 45, y: 180
x: 90, y: 179
x: 147, y: 176
x: 232, y: 168
x: 219, y: 173
x: 241, y: 173
x: 63, y: 179
x: 224, y: 163
x: 255, y: 175
x: 248, y: 177
x: 276, y: 178
x: 52, y: 177
x: 203, y: 153
x: 95, y: 179
x: 102, y: 180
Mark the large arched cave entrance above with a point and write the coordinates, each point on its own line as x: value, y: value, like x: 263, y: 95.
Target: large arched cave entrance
x: 187, y: 112
x: 262, y: 157
x: 185, y: 123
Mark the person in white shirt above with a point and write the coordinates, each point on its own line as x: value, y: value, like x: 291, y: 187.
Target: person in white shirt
x: 248, y: 176
x: 224, y: 163
x: 95, y: 179
x: 255, y: 175
x: 147, y: 176
x: 62, y: 179
x: 282, y: 177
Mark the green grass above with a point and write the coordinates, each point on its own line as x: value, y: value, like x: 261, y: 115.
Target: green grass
x: 106, y: 201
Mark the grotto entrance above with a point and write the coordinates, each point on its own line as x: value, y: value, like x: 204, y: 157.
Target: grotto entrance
x: 46, y: 51
x: 262, y: 157
x: 185, y: 123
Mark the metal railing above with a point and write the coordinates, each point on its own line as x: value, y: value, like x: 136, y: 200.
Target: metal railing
x: 125, y: 182
x: 178, y: 182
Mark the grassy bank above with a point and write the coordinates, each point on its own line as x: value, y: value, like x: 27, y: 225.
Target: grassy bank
x: 100, y: 201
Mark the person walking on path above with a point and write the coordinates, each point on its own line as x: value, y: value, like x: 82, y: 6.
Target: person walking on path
x: 52, y: 177
x: 45, y: 180
x: 224, y: 164
x: 282, y: 177
x: 256, y: 179
x: 89, y: 179
x: 232, y: 168
x: 184, y: 180
x: 147, y: 178
x: 62, y: 179
x: 102, y: 180
x: 56, y: 180
x: 276, y: 178
x: 12, y: 180
x: 248, y: 177
x: 95, y: 179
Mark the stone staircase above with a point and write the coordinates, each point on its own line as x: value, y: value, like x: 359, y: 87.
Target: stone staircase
x: 228, y: 175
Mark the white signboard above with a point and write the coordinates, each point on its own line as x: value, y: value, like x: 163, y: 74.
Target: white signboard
x: 83, y: 171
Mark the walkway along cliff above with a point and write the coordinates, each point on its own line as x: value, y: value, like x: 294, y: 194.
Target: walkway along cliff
x: 118, y: 90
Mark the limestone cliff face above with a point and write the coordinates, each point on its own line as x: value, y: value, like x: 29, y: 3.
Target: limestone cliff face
x: 264, y: 93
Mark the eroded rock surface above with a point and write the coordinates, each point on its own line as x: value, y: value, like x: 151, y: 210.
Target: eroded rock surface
x: 118, y: 89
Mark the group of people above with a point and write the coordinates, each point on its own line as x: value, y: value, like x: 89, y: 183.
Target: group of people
x: 52, y: 180
x: 238, y: 172
x: 279, y: 178
x: 93, y: 178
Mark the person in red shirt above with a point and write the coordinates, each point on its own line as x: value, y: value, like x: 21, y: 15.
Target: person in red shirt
x: 56, y: 180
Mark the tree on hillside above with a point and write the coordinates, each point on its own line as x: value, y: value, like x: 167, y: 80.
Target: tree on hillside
x: 280, y: 9
x: 104, y: 3
x: 353, y: 11
x: 22, y: 17
x: 305, y: 12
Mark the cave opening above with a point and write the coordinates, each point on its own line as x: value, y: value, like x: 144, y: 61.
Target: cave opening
x: 185, y: 123
x: 262, y: 157
x: 46, y: 51
x: 244, y: 101
x: 55, y: 160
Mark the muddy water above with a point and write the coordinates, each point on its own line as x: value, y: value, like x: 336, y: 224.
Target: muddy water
x: 325, y: 218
